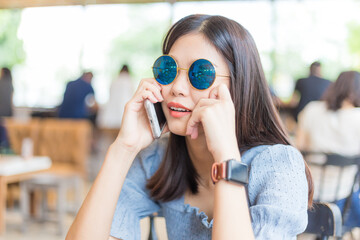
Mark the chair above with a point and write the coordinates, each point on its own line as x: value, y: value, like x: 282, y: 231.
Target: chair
x: 324, y: 220
x: 67, y: 143
x: 19, y: 130
x: 152, y: 226
x: 43, y: 184
x: 345, y: 167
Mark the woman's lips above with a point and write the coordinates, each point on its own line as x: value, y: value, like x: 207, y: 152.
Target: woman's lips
x: 177, y: 110
x: 176, y: 114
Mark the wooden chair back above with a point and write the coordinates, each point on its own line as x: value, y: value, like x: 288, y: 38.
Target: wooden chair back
x: 67, y: 143
x: 18, y: 130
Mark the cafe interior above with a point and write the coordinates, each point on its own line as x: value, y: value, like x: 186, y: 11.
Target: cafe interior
x: 48, y: 163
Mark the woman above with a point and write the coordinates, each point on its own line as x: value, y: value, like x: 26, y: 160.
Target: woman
x: 218, y: 107
x: 332, y: 126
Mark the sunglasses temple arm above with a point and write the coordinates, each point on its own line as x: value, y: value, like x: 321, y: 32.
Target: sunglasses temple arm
x: 218, y: 75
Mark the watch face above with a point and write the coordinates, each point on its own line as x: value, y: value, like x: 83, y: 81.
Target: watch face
x: 237, y: 172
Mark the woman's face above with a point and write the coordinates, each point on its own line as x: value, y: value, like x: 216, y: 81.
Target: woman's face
x: 180, y: 93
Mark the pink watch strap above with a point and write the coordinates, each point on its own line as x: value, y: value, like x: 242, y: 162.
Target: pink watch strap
x: 218, y: 171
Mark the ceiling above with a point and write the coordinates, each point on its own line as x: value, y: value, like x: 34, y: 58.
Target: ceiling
x: 42, y: 3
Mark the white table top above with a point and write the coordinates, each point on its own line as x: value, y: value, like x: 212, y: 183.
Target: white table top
x: 12, y: 165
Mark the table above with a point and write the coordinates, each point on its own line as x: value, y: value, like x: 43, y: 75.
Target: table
x: 15, y: 169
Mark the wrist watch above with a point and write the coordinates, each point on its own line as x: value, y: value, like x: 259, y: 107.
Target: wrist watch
x: 230, y: 170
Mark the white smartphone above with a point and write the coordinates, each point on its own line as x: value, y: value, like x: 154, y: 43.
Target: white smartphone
x: 156, y: 117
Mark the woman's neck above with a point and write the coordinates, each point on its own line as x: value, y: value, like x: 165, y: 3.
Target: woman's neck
x: 201, y: 158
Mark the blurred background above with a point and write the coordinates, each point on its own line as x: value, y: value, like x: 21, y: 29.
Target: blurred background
x: 47, y: 44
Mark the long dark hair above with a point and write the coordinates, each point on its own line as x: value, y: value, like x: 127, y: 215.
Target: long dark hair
x: 346, y: 87
x: 257, y: 121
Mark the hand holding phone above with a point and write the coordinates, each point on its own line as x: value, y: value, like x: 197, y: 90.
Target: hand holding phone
x: 156, y: 117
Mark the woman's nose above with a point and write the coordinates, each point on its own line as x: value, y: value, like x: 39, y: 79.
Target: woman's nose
x: 180, y: 85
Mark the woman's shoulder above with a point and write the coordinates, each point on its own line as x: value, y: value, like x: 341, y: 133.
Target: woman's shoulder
x: 278, y: 192
x: 274, y: 157
x: 277, y: 168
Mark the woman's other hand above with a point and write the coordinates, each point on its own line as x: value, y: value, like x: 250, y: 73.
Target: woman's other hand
x: 217, y: 116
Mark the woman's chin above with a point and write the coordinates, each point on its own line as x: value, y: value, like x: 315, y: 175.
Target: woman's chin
x: 177, y: 130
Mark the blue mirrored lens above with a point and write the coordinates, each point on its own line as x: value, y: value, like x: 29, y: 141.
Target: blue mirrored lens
x: 165, y: 70
x: 202, y: 74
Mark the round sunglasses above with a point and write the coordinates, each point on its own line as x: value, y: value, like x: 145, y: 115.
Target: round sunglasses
x: 201, y: 72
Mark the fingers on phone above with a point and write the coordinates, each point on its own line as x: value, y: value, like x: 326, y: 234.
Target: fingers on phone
x: 158, y: 96
x: 152, y: 81
x: 155, y: 89
x: 149, y: 95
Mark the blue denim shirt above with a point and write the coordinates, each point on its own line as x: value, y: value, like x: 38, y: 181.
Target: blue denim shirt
x: 277, y: 193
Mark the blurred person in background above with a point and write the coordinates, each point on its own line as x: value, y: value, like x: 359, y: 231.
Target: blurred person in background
x: 6, y: 93
x: 79, y: 100
x: 308, y: 89
x: 333, y: 126
x: 121, y: 91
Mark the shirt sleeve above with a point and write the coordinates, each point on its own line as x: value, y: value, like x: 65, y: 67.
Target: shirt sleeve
x: 279, y: 197
x: 134, y: 202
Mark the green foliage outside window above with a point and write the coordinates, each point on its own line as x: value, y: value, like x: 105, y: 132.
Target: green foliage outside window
x: 11, y: 47
x: 354, y: 43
